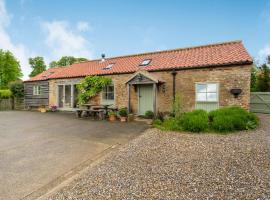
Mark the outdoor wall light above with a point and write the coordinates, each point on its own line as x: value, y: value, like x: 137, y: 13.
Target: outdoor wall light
x: 163, y: 88
x: 236, y: 92
x: 139, y: 77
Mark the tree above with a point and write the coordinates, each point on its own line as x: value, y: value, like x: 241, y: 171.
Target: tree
x: 37, y: 64
x: 66, y: 60
x: 253, y: 81
x: 10, y: 69
x: 17, y: 89
x: 263, y: 79
x: 53, y: 64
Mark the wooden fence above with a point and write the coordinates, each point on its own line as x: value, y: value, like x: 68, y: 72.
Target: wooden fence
x: 260, y: 102
x: 12, y: 104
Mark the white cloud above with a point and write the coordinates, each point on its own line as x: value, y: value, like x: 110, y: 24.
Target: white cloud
x: 62, y: 40
x: 83, y: 26
x: 263, y: 53
x: 19, y: 50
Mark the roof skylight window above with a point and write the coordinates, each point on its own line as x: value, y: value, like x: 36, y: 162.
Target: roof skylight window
x: 145, y: 62
x: 109, y: 66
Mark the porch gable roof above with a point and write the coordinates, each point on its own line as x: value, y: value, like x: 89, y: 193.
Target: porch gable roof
x: 142, y: 77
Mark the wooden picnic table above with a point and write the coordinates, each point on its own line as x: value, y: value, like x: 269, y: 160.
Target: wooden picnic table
x: 97, y: 107
x: 95, y: 110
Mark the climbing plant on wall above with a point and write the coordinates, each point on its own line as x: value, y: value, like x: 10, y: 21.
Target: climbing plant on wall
x: 90, y: 86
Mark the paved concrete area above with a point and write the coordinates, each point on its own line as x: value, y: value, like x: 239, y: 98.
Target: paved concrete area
x: 37, y: 148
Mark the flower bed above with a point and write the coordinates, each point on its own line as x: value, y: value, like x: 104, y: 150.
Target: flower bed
x: 223, y: 120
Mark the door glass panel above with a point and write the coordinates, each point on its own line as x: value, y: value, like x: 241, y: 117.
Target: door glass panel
x: 67, y: 96
x: 60, y: 96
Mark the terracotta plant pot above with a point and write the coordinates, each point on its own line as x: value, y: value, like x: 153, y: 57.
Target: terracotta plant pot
x: 112, y: 118
x: 123, y: 119
x: 43, y: 110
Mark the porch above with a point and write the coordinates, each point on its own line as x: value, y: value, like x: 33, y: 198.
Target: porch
x: 145, y: 86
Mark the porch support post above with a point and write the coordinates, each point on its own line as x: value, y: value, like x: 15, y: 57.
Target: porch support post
x: 128, y: 98
x: 57, y: 96
x: 155, y: 98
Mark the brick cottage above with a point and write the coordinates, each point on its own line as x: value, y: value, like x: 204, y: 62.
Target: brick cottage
x: 207, y: 77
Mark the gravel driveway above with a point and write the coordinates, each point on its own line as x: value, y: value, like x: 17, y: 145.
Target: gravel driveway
x: 167, y: 165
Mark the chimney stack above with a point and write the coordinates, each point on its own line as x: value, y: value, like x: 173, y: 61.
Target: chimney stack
x: 102, y: 57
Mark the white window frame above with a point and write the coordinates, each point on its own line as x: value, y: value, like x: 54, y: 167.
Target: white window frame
x: 205, y: 83
x: 36, y: 90
x: 108, y: 101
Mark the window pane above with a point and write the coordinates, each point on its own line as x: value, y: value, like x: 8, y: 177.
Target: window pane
x: 201, y: 96
x: 212, y: 87
x: 110, y: 96
x: 108, y: 93
x: 211, y: 96
x: 201, y: 88
x: 110, y: 88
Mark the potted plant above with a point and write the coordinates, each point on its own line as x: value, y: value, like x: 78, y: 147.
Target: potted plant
x: 123, y: 114
x: 53, y: 108
x: 43, y: 109
x: 112, y: 116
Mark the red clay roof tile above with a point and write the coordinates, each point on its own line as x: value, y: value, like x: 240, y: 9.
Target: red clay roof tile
x: 227, y: 53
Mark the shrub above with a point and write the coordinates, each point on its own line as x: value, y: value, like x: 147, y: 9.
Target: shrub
x: 170, y: 124
x: 149, y: 114
x: 232, y: 119
x: 17, y: 89
x: 123, y: 112
x: 157, y: 122
x: 5, y: 94
x: 195, y: 121
x: 111, y: 113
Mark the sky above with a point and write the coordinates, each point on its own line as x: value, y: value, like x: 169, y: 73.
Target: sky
x: 88, y: 28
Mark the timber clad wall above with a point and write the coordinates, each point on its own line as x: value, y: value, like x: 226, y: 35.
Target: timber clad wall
x: 36, y: 100
x: 227, y: 77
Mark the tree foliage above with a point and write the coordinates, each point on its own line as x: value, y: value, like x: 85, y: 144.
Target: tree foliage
x: 5, y: 94
x: 17, y: 89
x: 253, y: 81
x: 66, y: 60
x: 37, y: 64
x: 10, y: 69
x: 91, y: 86
x: 263, y: 79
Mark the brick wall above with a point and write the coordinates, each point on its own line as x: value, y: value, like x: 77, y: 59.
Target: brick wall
x: 227, y: 77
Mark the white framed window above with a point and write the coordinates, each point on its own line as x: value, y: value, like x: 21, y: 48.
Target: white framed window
x: 207, y: 96
x: 36, y: 90
x: 108, y: 94
x: 207, y: 92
